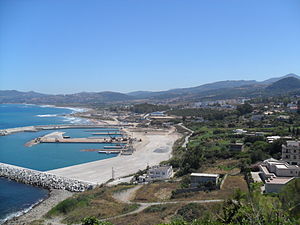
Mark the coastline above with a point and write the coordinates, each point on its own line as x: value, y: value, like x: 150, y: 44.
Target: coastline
x: 37, y: 211
x: 54, y: 196
x: 155, y: 147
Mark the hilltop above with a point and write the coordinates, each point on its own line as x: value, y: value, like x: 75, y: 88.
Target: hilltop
x: 285, y: 84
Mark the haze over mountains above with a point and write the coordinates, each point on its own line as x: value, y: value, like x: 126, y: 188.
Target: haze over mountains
x: 216, y: 90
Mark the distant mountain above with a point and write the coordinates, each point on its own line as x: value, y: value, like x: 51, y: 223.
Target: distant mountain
x: 78, y: 98
x: 174, y: 93
x: 13, y: 96
x: 141, y: 94
x: 285, y: 85
x: 216, y: 85
x: 217, y: 90
x: 272, y: 80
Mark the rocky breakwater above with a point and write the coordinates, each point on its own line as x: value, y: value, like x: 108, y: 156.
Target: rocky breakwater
x: 42, y: 179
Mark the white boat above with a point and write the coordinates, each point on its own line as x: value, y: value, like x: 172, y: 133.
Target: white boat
x: 109, y: 152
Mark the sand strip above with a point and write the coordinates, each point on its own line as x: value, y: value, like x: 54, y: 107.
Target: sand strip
x: 154, y: 148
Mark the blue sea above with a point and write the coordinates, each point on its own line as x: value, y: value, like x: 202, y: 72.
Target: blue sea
x: 16, y: 197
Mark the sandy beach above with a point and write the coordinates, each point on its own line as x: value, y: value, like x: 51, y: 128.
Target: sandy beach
x: 156, y: 146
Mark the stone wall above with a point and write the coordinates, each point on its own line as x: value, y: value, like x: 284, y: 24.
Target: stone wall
x: 42, y: 179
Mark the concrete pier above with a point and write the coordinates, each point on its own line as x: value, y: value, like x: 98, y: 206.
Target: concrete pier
x: 57, y: 137
x: 9, y: 131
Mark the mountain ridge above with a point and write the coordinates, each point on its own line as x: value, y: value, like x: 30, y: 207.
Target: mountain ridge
x: 219, y: 89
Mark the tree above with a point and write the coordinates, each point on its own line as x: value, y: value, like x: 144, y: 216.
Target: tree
x: 244, y: 109
x: 94, y: 221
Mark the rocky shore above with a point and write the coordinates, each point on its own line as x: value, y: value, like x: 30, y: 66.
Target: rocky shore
x: 38, y: 211
x: 42, y: 179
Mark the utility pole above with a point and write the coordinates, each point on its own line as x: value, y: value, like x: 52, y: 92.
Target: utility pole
x: 112, y: 173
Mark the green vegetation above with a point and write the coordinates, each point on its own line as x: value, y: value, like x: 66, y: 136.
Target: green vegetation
x: 70, y: 204
x: 290, y: 198
x: 148, y: 108
x: 155, y: 208
x: 242, y: 208
x: 244, y: 108
x: 209, y: 151
x: 94, y: 221
x: 97, y: 203
x: 192, y: 211
x: 207, y: 114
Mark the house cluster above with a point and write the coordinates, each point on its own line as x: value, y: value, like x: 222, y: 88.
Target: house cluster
x: 277, y: 173
x: 165, y: 172
x: 226, y: 103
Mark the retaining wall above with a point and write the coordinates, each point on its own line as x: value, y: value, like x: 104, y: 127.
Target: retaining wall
x: 42, y: 179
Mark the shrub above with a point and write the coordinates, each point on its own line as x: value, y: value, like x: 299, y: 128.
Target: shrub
x: 155, y: 208
x: 191, y: 211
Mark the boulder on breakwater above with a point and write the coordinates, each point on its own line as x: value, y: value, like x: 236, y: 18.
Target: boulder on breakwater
x: 42, y: 179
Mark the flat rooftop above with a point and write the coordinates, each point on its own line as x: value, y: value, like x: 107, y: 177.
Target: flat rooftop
x: 281, y: 166
x: 281, y: 180
x: 204, y: 175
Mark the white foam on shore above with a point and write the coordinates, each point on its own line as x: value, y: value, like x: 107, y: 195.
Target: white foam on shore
x: 22, y: 212
x: 76, y: 120
x: 47, y: 115
x: 74, y: 109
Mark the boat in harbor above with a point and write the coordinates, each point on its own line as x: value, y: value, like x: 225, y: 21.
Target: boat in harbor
x: 114, y: 147
x: 109, y: 151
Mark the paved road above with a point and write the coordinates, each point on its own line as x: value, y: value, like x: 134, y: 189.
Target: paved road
x: 186, y: 140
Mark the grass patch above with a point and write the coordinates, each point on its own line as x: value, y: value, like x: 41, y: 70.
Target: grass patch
x: 37, y: 222
x: 69, y: 205
x: 231, y: 184
x: 222, y: 166
x: 154, y: 192
x: 98, y: 203
x: 152, y: 215
x: 155, y: 208
x: 130, y: 207
x: 193, y: 211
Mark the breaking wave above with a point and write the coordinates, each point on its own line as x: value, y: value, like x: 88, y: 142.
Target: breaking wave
x: 47, y: 115
x: 21, y: 212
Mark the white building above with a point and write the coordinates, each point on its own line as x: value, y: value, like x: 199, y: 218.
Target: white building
x: 271, y: 139
x: 275, y: 185
x: 159, y: 172
x: 291, y: 152
x: 276, y: 174
x: 203, y: 178
x: 239, y: 131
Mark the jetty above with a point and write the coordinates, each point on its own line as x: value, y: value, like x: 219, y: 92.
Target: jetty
x: 43, y: 179
x: 9, y: 131
x: 83, y: 140
x: 57, y: 137
x: 107, y: 133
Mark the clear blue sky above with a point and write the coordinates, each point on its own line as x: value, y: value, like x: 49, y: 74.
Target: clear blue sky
x: 67, y: 46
